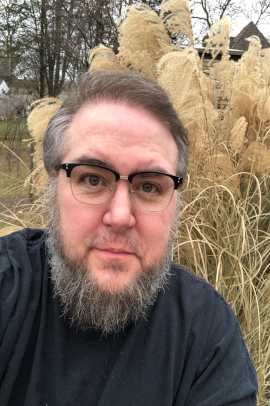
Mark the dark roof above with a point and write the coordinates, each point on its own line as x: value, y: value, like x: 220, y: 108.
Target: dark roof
x: 239, y: 42
x: 21, y: 83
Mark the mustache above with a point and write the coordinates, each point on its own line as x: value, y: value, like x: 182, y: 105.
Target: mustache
x: 123, y: 241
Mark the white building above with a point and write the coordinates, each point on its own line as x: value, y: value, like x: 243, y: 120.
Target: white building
x: 4, y: 87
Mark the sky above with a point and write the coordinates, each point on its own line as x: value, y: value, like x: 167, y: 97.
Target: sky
x: 241, y: 21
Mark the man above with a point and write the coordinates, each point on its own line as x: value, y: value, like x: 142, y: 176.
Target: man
x: 93, y: 312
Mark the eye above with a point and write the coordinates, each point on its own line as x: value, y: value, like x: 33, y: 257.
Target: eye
x: 149, y: 188
x: 93, y: 180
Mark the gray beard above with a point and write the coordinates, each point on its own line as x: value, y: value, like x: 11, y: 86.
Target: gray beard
x: 83, y: 301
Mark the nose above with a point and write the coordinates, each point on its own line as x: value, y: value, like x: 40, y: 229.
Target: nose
x: 120, y: 208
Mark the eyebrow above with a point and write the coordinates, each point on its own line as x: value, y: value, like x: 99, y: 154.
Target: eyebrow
x: 88, y: 159
x: 153, y: 173
x: 157, y: 169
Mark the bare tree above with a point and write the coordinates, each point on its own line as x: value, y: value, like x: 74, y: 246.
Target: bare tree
x: 206, y: 12
x: 260, y: 11
x: 11, y: 17
x: 49, y: 41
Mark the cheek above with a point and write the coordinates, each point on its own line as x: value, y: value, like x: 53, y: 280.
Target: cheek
x: 155, y: 232
x: 77, y: 220
x: 159, y: 228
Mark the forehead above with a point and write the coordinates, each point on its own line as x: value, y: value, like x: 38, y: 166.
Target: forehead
x: 130, y: 138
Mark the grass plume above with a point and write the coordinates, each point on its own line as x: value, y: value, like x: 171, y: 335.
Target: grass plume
x: 141, y: 52
x: 42, y: 111
x: 176, y: 18
x: 103, y: 58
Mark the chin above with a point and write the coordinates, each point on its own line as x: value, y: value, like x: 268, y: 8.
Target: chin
x: 112, y: 279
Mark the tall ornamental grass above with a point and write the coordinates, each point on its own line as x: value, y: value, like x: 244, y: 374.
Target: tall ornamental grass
x: 224, y: 230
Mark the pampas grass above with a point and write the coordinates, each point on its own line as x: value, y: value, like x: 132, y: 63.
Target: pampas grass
x: 22, y: 215
x: 225, y: 238
x: 225, y: 225
x: 140, y: 52
x: 103, y: 58
x: 225, y: 228
x: 180, y: 74
x: 42, y: 111
x: 219, y: 39
x: 176, y: 18
x: 238, y: 135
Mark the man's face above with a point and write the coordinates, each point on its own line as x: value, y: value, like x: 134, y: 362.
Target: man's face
x: 116, y: 239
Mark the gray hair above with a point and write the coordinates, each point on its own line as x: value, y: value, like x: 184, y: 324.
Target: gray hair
x: 119, y: 87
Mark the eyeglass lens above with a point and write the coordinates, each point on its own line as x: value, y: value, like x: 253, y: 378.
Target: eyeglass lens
x: 94, y: 185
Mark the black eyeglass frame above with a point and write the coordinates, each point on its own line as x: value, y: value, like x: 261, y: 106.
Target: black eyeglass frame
x: 68, y: 168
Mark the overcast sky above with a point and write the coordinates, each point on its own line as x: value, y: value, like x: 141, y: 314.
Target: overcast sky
x: 242, y: 21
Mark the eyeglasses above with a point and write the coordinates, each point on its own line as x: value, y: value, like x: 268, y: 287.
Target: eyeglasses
x: 95, y: 184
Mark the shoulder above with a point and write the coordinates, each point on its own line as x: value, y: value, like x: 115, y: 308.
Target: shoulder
x: 27, y: 236
x: 22, y: 257
x: 214, y: 339
x: 19, y: 247
x: 197, y: 310
x: 20, y: 252
x: 205, y: 310
x: 187, y: 278
x: 22, y: 264
x: 192, y: 290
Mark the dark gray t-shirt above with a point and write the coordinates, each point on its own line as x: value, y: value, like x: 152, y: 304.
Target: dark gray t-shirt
x: 189, y: 351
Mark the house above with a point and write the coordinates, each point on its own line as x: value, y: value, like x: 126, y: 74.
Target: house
x: 13, y: 105
x: 22, y: 86
x: 238, y: 45
x: 239, y: 42
x: 4, y: 87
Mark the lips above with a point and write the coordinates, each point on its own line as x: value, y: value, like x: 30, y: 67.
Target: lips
x: 113, y: 253
x: 116, y: 250
x: 112, y: 244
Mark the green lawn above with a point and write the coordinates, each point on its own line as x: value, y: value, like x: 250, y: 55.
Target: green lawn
x: 14, y: 132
